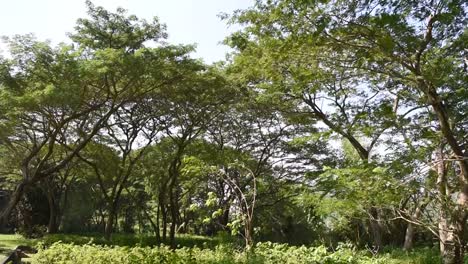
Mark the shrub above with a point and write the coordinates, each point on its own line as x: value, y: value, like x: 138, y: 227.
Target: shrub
x: 266, y: 253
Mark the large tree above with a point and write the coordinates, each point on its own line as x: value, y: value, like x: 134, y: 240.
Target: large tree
x: 414, y: 51
x: 66, y: 95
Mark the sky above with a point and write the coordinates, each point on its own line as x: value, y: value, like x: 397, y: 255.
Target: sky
x: 188, y: 21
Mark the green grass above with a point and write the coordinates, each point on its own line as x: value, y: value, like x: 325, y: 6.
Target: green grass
x: 9, y: 241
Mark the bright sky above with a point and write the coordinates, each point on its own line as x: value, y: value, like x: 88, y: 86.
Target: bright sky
x: 188, y: 21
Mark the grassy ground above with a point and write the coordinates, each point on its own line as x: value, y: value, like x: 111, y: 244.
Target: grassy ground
x: 9, y: 242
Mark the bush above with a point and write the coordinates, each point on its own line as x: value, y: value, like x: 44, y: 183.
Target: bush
x: 130, y: 240
x: 32, y: 232
x: 262, y: 253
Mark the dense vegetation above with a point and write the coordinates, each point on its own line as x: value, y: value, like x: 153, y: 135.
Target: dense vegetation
x: 264, y: 253
x: 338, y: 125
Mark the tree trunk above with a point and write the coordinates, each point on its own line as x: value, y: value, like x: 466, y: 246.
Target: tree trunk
x: 452, y: 253
x: 52, y: 226
x: 174, y: 209
x: 376, y: 229
x: 162, y: 212
x: 157, y: 231
x: 225, y: 218
x: 452, y: 240
x: 452, y: 249
x: 451, y: 222
x: 409, y: 235
x: 63, y: 207
x: 443, y: 194
x: 248, y: 234
x: 110, y: 224
x: 14, y: 200
x: 164, y: 223
x: 173, y: 197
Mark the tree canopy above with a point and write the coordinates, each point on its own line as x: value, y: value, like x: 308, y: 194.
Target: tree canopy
x: 330, y: 121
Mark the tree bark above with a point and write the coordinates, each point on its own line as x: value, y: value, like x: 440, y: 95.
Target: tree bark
x: 53, y: 200
x: 224, y: 220
x: 164, y: 226
x: 376, y: 229
x: 248, y: 234
x: 14, y: 200
x: 173, y: 208
x: 158, y: 231
x: 451, y: 222
x: 409, y: 235
x: 52, y: 226
x: 162, y: 210
x: 173, y: 193
x: 110, y: 223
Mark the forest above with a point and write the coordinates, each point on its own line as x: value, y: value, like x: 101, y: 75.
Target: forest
x: 333, y: 132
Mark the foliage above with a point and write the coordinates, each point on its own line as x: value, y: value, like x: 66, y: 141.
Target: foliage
x: 331, y: 121
x: 127, y: 240
x: 262, y: 253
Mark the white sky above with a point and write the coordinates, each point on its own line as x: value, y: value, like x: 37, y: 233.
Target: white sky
x: 188, y: 21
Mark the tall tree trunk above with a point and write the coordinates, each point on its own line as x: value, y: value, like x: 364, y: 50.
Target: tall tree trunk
x: 452, y: 249
x: 53, y: 214
x: 443, y: 194
x: 63, y: 207
x: 409, y: 235
x: 452, y: 221
x: 14, y: 200
x: 173, y: 193
x: 53, y: 200
x: 224, y: 220
x: 248, y: 234
x: 157, y: 231
x: 110, y: 223
x: 173, y: 208
x: 162, y: 212
x: 376, y: 228
x: 164, y: 223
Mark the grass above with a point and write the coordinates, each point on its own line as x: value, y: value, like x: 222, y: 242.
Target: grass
x: 8, y: 242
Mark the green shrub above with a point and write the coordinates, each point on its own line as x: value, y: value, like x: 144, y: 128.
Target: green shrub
x: 266, y: 253
x: 129, y: 240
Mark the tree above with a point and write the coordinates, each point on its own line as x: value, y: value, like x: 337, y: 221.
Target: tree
x: 66, y: 95
x: 46, y: 100
x: 192, y: 105
x: 130, y: 133
x: 415, y: 45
